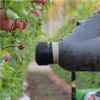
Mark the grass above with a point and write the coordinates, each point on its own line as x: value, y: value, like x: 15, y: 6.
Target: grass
x: 84, y: 79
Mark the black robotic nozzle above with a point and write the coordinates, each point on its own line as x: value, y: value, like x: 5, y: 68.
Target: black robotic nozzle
x: 44, y: 54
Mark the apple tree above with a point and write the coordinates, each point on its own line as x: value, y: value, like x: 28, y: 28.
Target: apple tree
x: 20, y: 25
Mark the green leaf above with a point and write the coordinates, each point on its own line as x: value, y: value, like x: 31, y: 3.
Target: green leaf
x: 7, y: 70
x: 12, y: 15
x: 22, y: 13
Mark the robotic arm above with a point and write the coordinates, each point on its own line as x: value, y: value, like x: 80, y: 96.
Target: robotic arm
x: 78, y: 51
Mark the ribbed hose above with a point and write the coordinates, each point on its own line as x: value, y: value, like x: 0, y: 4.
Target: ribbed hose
x: 44, y: 54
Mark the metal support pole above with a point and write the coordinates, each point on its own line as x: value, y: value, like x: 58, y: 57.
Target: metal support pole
x: 73, y: 85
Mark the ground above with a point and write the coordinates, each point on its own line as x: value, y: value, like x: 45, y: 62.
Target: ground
x: 45, y: 84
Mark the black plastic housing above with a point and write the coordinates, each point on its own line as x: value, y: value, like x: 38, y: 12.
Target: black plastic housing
x: 44, y: 54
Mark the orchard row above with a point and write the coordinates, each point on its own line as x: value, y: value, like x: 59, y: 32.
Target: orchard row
x: 20, y: 26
